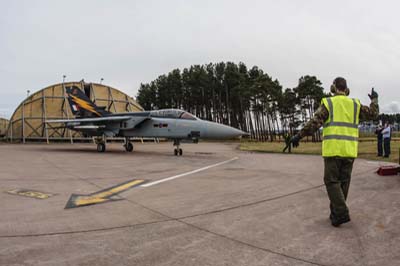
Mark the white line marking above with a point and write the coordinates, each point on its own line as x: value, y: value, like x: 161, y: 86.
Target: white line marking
x: 188, y: 173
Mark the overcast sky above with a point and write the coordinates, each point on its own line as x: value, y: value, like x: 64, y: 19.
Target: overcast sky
x: 133, y: 42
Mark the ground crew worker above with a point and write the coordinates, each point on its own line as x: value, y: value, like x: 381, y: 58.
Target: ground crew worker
x: 287, y: 138
x: 386, y: 140
x: 340, y: 117
x: 379, y: 137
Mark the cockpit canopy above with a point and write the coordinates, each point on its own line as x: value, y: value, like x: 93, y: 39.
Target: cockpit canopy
x: 173, y: 113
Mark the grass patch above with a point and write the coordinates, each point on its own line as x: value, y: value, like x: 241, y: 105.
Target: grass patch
x: 366, y: 149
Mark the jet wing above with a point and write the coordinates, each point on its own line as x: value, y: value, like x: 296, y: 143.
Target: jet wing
x: 81, y: 121
x: 108, y: 125
x: 100, y: 122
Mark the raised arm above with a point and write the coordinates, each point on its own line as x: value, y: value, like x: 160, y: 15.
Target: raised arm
x: 371, y: 112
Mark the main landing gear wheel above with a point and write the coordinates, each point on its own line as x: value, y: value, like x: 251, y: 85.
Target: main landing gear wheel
x: 101, y: 147
x: 129, y: 147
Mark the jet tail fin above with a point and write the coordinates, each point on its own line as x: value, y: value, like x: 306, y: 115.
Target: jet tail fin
x: 82, y: 106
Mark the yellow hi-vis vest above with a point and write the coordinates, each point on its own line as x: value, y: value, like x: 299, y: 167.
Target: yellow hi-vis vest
x: 340, y: 131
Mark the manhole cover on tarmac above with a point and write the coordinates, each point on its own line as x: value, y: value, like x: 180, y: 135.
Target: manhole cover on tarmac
x: 30, y: 193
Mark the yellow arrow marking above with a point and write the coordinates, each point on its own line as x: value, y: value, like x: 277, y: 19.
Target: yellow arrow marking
x: 101, y: 196
x: 88, y: 200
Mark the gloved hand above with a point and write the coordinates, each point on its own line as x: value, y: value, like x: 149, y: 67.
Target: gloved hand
x: 295, y: 141
x: 373, y: 95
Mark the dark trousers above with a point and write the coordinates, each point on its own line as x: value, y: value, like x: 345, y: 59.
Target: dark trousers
x: 380, y: 147
x: 288, y: 146
x: 337, y: 176
x: 386, y: 146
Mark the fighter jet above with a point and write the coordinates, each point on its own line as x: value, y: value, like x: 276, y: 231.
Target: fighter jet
x: 177, y: 125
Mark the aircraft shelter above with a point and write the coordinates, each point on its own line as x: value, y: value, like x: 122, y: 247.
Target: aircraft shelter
x: 28, y: 120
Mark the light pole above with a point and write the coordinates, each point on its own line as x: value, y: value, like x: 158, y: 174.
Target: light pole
x: 27, y: 93
x: 101, y: 80
x: 64, y: 76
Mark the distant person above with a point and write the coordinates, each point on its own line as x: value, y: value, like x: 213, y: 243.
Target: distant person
x: 340, y: 117
x: 386, y: 140
x: 287, y: 138
x: 379, y: 137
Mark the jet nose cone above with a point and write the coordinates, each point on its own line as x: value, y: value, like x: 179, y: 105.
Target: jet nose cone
x: 219, y: 131
x: 238, y: 133
x: 245, y: 134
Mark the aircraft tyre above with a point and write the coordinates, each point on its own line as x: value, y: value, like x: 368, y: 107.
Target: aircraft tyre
x: 178, y: 152
x: 129, y: 147
x: 101, y: 147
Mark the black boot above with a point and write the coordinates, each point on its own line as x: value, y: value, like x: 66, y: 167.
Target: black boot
x: 336, y: 221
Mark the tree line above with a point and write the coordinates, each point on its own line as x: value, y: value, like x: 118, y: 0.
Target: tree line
x: 389, y: 118
x: 232, y: 94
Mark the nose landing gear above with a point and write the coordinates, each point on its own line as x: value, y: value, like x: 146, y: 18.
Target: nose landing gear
x: 177, y: 151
